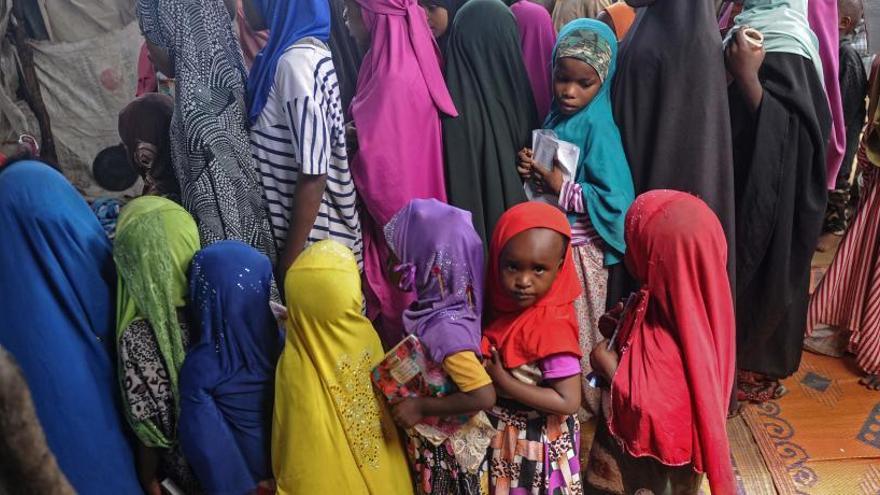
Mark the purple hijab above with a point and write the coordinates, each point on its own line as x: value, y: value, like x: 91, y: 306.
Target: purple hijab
x: 823, y: 19
x: 537, y: 39
x: 441, y: 258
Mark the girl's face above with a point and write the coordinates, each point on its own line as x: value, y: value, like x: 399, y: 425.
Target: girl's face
x: 354, y: 21
x: 438, y: 18
x: 529, y: 264
x: 575, y: 84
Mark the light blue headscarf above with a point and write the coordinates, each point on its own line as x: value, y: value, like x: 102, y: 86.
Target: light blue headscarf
x: 784, y: 25
x: 289, y: 21
x: 603, y: 172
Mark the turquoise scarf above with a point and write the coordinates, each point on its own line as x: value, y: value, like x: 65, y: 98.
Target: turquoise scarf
x: 603, y: 172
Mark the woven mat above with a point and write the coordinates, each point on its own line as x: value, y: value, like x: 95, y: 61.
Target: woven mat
x: 824, y: 436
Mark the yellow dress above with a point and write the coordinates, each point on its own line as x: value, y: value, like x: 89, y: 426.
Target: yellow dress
x: 331, y: 433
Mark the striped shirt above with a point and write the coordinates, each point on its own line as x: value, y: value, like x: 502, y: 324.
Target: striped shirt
x: 301, y: 131
x: 571, y: 199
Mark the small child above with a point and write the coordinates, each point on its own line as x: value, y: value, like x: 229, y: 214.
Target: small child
x: 440, y: 256
x: 671, y: 364
x: 597, y: 198
x: 532, y: 343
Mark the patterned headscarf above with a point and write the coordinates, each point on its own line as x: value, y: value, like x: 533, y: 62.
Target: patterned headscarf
x: 587, y: 46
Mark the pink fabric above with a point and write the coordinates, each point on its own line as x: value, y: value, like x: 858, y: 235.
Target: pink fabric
x: 396, y: 110
x: 147, y: 82
x: 537, y: 38
x: 560, y: 366
x: 251, y: 41
x: 823, y: 21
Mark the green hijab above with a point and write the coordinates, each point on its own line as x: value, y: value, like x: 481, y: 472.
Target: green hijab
x: 784, y: 25
x: 155, y: 242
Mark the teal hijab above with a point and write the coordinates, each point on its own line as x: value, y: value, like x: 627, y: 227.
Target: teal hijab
x: 784, y: 25
x: 603, y: 172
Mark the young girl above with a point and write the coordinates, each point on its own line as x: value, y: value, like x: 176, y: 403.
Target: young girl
x: 781, y: 123
x: 597, y: 198
x: 440, y: 256
x: 156, y: 240
x: 227, y: 381
x: 532, y: 343
x: 671, y: 365
x: 331, y: 433
x: 396, y: 110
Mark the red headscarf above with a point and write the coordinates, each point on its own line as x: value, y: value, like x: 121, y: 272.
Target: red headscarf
x: 547, y: 327
x: 670, y: 393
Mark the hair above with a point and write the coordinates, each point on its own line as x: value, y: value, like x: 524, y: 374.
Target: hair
x: 112, y: 169
x: 854, y: 9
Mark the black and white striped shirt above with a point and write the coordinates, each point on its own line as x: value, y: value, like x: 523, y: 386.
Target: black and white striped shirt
x: 301, y: 131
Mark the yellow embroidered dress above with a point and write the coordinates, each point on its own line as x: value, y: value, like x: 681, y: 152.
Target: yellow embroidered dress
x: 331, y: 433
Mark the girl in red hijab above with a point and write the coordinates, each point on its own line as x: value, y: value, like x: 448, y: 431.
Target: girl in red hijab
x: 671, y: 365
x: 534, y: 354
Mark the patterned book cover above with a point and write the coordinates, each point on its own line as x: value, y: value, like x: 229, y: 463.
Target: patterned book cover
x: 407, y: 372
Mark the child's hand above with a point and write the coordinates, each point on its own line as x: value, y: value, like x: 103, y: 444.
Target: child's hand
x: 550, y: 182
x: 496, y: 370
x: 604, y: 360
x: 351, y: 139
x: 525, y: 164
x: 407, y: 413
x: 743, y: 59
x: 608, y: 322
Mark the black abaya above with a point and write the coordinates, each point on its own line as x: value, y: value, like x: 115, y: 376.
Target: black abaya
x: 487, y: 79
x: 779, y: 156
x: 670, y: 103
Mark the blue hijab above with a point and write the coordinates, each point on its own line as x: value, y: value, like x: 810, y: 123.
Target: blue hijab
x: 289, y: 21
x: 227, y: 381
x: 603, y: 172
x: 57, y: 308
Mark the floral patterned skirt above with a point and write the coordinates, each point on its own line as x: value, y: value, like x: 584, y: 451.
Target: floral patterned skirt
x: 437, y: 471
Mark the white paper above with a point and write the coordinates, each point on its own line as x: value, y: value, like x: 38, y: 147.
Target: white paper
x: 546, y: 147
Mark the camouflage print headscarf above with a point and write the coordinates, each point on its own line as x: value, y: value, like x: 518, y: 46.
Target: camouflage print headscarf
x: 587, y: 46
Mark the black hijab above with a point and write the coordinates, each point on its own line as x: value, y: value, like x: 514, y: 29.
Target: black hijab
x: 670, y: 103
x: 487, y: 79
x: 452, y: 7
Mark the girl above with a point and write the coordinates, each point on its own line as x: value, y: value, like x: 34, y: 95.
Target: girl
x: 440, y: 14
x: 56, y: 305
x: 440, y: 256
x: 597, y: 198
x: 220, y: 186
x: 143, y: 127
x: 671, y: 366
x: 537, y: 36
x: 331, y: 433
x: 532, y: 343
x: 227, y: 381
x: 298, y: 130
x: 669, y: 61
x: 846, y: 298
x: 155, y: 242
x: 490, y: 85
x: 780, y: 124
x: 396, y: 110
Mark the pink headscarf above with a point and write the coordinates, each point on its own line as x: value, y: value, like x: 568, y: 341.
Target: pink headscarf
x: 147, y: 82
x: 251, y: 41
x: 396, y: 110
x: 537, y: 38
x: 823, y: 19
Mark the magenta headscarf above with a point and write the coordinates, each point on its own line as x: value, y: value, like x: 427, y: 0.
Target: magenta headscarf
x: 537, y: 38
x: 396, y: 109
x: 823, y: 19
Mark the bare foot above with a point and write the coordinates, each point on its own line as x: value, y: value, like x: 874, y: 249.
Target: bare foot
x: 826, y: 242
x: 872, y: 382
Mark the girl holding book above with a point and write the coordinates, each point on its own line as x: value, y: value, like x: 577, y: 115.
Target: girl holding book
x: 440, y: 256
x: 534, y: 354
x: 597, y: 197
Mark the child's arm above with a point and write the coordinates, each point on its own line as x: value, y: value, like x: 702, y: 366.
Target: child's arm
x: 525, y: 164
x: 410, y: 412
x: 604, y: 361
x: 560, y: 397
x: 744, y: 61
x: 307, y: 195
